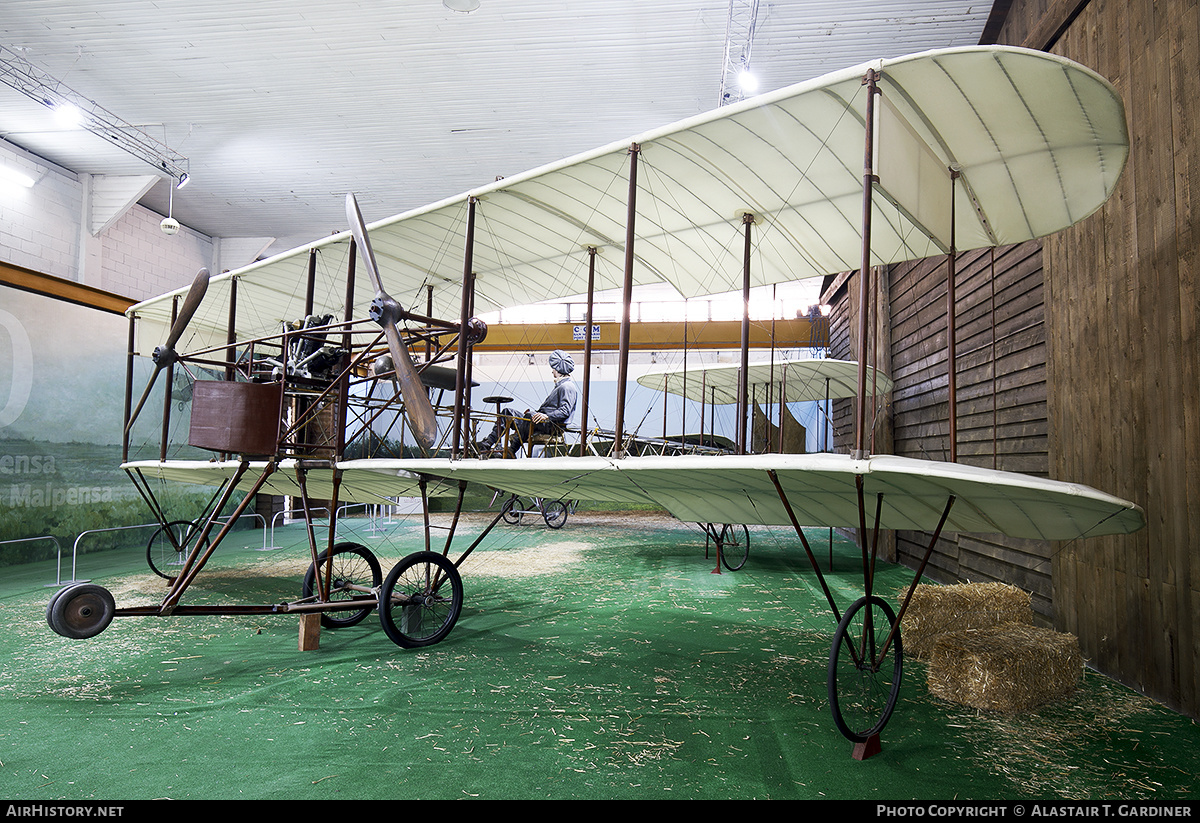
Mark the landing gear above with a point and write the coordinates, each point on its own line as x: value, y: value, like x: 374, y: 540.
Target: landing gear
x: 511, y: 511
x: 864, y: 677
x: 169, y: 546
x: 734, y: 543
x: 420, y: 600
x: 554, y: 512
x: 80, y: 611
x: 354, y: 572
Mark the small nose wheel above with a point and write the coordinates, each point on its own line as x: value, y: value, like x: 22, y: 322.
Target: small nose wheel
x: 81, y: 611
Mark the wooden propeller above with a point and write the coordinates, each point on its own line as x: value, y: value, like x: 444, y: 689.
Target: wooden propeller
x: 387, y: 312
x: 164, y: 355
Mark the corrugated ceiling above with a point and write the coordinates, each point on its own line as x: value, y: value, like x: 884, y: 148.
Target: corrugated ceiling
x: 282, y: 107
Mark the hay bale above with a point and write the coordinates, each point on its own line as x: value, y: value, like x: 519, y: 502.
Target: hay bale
x: 1005, y: 668
x: 935, y: 610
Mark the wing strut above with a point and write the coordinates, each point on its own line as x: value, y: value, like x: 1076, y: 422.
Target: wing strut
x: 587, y: 351
x: 627, y: 298
x: 871, y: 81
x: 462, y: 392
x: 743, y: 389
x: 804, y: 542
x: 196, y: 560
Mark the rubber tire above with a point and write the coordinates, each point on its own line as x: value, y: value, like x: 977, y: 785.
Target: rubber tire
x: 398, y: 619
x: 871, y: 679
x: 156, y: 555
x: 555, y: 514
x: 511, y: 511
x: 81, y: 611
x: 342, y: 620
x: 735, y: 560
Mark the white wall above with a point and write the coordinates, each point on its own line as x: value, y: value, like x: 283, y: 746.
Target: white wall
x: 139, y: 261
x: 41, y: 229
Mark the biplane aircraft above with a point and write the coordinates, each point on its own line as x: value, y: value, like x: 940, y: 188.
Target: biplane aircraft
x: 893, y: 160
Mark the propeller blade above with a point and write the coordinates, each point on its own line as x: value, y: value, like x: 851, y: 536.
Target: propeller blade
x: 190, y: 303
x: 385, y: 311
x: 165, y: 354
x: 145, y: 395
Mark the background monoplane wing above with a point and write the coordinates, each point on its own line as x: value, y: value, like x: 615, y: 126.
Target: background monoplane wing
x: 790, y: 381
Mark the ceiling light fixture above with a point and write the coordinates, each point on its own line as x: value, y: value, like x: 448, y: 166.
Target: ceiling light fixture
x: 16, y: 177
x: 67, y: 115
x: 461, y: 6
x: 748, y: 81
x: 169, y: 225
x: 739, y: 42
x: 36, y: 84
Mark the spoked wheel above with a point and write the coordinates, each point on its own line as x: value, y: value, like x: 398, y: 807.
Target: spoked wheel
x: 354, y: 568
x: 511, y: 511
x: 420, y: 600
x: 734, y: 543
x: 169, y: 546
x: 81, y: 611
x: 555, y: 514
x: 864, y: 678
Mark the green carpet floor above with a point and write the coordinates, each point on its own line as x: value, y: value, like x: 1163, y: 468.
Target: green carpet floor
x: 603, y: 660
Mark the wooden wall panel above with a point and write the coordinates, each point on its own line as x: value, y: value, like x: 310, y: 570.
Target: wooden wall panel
x: 1122, y: 361
x: 1001, y: 391
x: 1079, y: 358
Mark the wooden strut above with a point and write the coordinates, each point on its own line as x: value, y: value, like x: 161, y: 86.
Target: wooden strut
x: 462, y: 385
x: 804, y: 542
x: 951, y: 333
x: 302, y: 479
x: 683, y: 393
x: 462, y: 491
x: 743, y: 398
x: 710, y: 530
x: 871, y: 81
x: 129, y: 360
x: 196, y: 559
x: 326, y: 578
x: 626, y: 300
x: 587, y: 352
x: 170, y: 376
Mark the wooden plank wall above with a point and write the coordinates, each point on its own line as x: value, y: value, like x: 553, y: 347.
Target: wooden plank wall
x: 1097, y: 360
x: 1001, y: 391
x: 1124, y: 363
x: 1123, y: 367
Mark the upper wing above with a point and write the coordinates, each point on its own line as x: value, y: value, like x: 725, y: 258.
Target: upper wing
x: 1038, y: 142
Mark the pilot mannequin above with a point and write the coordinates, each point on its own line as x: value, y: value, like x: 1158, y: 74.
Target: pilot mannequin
x: 550, y: 418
